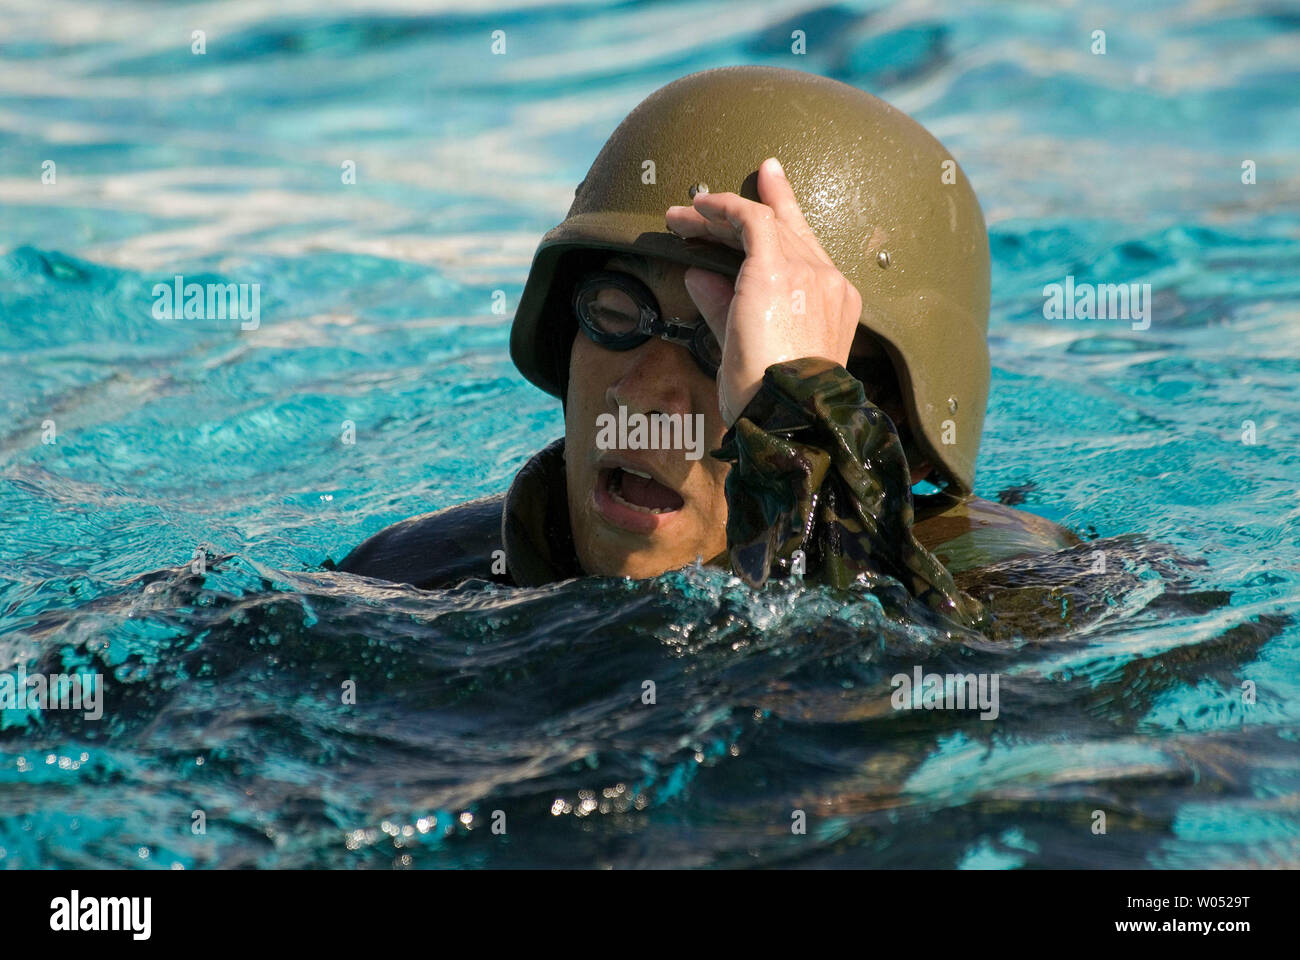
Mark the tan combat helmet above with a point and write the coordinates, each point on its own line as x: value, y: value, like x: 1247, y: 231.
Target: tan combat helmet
x: 888, y: 203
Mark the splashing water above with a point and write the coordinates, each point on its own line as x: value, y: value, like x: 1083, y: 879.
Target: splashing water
x: 1123, y: 692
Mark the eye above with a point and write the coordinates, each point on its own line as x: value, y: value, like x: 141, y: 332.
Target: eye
x: 610, y: 310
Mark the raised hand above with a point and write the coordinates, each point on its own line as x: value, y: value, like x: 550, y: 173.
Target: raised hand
x: 788, y: 301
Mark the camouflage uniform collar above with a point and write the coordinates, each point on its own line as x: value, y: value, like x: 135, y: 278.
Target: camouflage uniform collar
x: 535, y: 522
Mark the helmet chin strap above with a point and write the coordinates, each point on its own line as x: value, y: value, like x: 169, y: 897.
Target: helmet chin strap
x: 562, y: 360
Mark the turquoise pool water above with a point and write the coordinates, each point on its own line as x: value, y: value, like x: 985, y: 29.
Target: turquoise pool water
x: 221, y: 689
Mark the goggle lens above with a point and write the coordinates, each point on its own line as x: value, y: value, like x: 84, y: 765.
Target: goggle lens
x: 619, y: 312
x: 610, y: 310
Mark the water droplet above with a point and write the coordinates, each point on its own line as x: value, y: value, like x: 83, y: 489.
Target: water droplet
x: 882, y: 258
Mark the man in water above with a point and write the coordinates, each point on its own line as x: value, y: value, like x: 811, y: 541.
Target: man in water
x: 821, y: 327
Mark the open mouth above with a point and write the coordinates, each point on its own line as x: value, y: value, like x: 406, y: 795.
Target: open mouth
x: 640, y: 491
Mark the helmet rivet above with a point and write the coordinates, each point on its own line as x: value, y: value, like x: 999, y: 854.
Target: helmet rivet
x: 882, y: 258
x: 699, y: 188
x: 952, y: 404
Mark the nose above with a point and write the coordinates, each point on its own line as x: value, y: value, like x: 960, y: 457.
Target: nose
x: 656, y: 379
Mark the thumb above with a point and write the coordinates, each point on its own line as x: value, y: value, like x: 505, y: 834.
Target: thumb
x: 712, y: 293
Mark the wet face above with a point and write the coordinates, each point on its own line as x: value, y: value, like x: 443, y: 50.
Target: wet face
x: 641, y: 512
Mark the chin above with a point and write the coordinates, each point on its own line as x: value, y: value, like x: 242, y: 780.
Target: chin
x: 604, y: 558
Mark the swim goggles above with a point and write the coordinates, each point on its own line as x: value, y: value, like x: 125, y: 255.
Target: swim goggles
x: 619, y: 312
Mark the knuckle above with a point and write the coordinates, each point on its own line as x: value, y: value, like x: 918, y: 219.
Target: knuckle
x: 832, y: 281
x: 804, y: 276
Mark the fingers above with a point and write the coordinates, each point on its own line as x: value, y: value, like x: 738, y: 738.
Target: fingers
x: 730, y: 219
x: 775, y: 190
x: 765, y: 231
x: 712, y: 294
